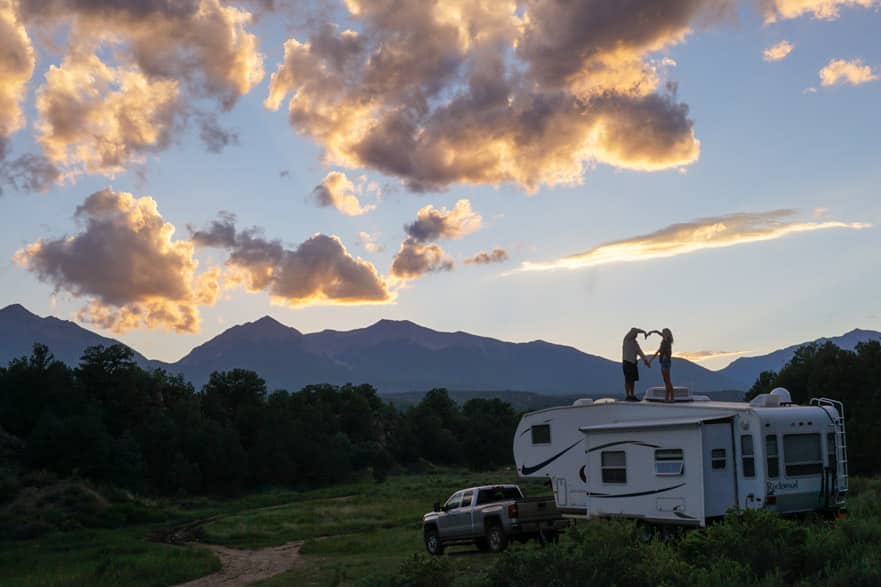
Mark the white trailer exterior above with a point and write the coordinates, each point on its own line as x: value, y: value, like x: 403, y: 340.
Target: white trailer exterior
x: 689, y: 461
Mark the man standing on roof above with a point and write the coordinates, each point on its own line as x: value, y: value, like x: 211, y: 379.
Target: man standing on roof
x: 630, y: 355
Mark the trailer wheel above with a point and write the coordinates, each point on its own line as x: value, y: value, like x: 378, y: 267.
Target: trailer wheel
x: 496, y: 538
x: 432, y: 542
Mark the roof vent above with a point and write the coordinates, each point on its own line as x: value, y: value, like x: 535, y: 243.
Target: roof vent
x: 584, y: 401
x: 783, y: 394
x: 657, y: 394
x: 765, y: 400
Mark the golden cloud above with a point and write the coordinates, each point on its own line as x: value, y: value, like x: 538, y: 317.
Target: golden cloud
x: 778, y: 51
x: 819, y: 9
x: 701, y: 356
x: 130, y: 75
x: 127, y: 264
x: 840, y: 71
x: 16, y: 68
x: 497, y: 255
x: 689, y: 237
x: 433, y: 94
x: 318, y: 271
x: 337, y: 190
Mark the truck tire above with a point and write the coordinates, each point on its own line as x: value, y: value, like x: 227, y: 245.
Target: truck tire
x: 433, y: 544
x: 496, y: 538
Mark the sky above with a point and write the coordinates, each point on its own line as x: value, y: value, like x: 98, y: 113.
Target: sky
x: 521, y: 170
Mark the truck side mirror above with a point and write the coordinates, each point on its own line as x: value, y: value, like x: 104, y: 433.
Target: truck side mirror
x: 437, y: 506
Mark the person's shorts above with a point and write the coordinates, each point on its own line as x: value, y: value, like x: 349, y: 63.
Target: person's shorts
x: 631, y: 373
x: 665, y: 365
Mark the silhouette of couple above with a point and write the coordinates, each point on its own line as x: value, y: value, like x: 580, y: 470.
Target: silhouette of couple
x: 632, y: 353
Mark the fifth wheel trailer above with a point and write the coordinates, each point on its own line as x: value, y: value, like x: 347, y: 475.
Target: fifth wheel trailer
x: 688, y: 461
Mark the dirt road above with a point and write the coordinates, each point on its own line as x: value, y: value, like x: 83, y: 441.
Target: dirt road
x: 243, y: 567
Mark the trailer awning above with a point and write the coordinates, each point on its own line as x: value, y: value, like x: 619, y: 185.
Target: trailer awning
x: 659, y: 423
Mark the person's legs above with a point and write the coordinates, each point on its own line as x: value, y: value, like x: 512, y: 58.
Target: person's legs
x: 668, y: 385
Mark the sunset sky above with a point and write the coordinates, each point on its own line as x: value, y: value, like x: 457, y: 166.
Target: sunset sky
x: 560, y: 170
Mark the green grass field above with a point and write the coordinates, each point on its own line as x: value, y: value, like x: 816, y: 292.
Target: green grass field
x: 356, y: 533
x: 351, y: 531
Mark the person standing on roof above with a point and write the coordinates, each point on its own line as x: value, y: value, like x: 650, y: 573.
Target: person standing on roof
x: 630, y: 355
x: 665, y: 354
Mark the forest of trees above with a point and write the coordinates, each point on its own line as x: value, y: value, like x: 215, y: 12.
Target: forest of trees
x: 112, y: 422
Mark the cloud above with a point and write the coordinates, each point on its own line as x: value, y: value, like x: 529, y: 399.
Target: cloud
x: 432, y: 224
x: 133, y: 75
x: 16, y: 68
x: 701, y: 356
x: 318, y: 271
x: 99, y: 119
x: 415, y: 260
x: 29, y: 173
x: 778, y: 51
x: 840, y: 71
x: 127, y: 265
x: 418, y: 254
x: 338, y: 191
x: 689, y: 237
x: 435, y: 96
x: 368, y: 241
x: 819, y: 9
x: 497, y: 255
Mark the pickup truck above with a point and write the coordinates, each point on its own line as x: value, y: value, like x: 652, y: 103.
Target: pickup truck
x: 490, y: 516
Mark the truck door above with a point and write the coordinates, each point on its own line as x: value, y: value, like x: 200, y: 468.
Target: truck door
x: 446, y: 521
x: 461, y: 517
x: 720, y: 491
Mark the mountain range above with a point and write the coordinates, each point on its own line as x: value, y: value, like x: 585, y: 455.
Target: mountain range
x: 393, y: 356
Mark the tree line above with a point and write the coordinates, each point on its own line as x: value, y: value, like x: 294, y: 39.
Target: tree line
x: 111, y: 421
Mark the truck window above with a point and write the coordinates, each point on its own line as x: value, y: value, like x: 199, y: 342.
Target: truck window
x: 494, y: 494
x: 454, y: 501
x: 747, y: 454
x: 466, y: 499
x: 669, y: 461
x: 802, y: 454
x: 773, y: 456
x: 718, y: 459
x: 614, y: 466
x: 541, y: 434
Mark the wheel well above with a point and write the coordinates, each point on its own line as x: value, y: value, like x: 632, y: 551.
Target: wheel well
x: 490, y: 522
x: 429, y: 527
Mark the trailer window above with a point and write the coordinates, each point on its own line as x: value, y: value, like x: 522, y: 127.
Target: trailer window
x: 669, y: 461
x: 747, y: 454
x: 802, y: 454
x: 718, y: 459
x: 541, y: 434
x: 614, y: 466
x: 773, y: 456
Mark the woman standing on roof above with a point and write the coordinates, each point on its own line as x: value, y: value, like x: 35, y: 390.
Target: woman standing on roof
x: 665, y: 352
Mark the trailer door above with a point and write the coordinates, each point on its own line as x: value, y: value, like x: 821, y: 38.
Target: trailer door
x: 720, y: 490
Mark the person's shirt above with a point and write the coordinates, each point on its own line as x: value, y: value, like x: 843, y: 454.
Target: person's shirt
x: 666, y: 350
x: 631, y: 350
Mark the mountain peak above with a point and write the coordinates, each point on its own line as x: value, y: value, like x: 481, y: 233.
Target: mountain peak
x: 17, y: 310
x: 269, y: 325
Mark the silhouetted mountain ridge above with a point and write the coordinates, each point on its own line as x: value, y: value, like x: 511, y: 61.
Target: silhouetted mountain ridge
x: 393, y: 355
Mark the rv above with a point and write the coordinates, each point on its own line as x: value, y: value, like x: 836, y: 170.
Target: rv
x: 688, y: 461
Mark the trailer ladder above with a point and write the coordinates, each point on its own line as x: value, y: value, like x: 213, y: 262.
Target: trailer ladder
x: 837, y: 416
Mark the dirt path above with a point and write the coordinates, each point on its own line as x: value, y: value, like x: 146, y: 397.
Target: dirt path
x: 243, y: 567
